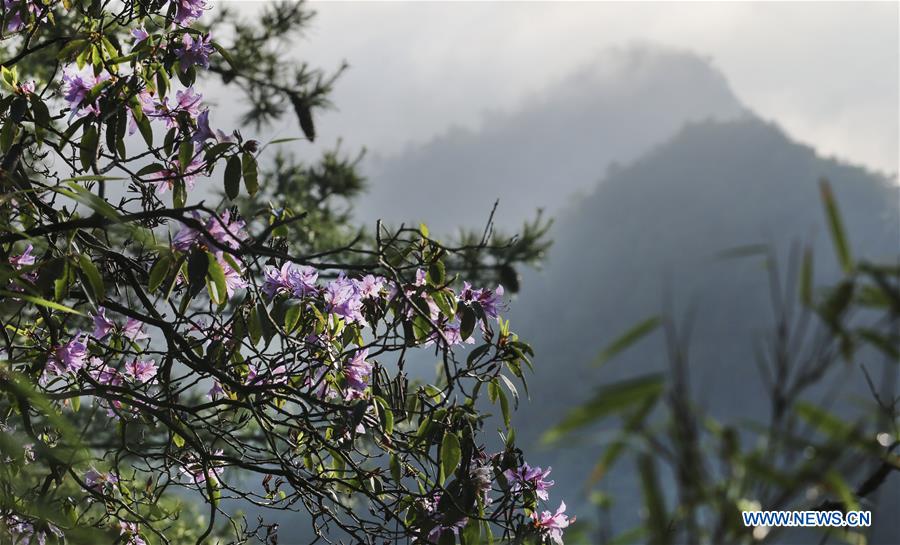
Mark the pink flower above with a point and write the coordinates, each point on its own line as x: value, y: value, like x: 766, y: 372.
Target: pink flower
x: 531, y: 477
x: 215, y: 391
x: 357, y: 372
x: 276, y: 376
x: 77, y: 85
x: 165, y: 179
x: 226, y: 230
x: 194, y: 52
x: 134, y: 330
x: 193, y: 469
x: 68, y: 358
x: 102, y: 324
x: 131, y: 533
x: 233, y: 277
x: 141, y: 371
x: 343, y: 298
x: 104, y: 373
x: 24, y: 259
x: 139, y: 34
x: 552, y: 525
x: 491, y: 301
x: 98, y: 481
x: 300, y: 281
x: 188, y: 11
x: 370, y: 286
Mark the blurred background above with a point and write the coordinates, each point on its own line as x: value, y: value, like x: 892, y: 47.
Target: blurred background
x: 657, y: 137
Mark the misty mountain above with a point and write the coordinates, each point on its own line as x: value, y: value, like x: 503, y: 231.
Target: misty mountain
x: 654, y: 232
x: 556, y: 145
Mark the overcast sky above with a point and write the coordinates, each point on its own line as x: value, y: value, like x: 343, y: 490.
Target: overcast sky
x: 827, y: 72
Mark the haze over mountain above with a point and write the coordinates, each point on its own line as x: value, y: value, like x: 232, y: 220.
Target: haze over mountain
x: 656, y: 229
x: 540, y: 156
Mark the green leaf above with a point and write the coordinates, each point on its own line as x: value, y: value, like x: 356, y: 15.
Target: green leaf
x: 388, y: 415
x: 178, y: 440
x: 249, y: 170
x: 467, y: 321
x: 806, y: 278
x: 254, y: 328
x: 179, y: 193
x: 40, y: 301
x: 216, y: 277
x: 233, y: 177
x: 450, y: 453
x: 836, y: 227
x: 627, y: 339
x: 7, y: 135
x: 159, y: 272
x: 95, y: 280
x: 608, y: 400
x: 504, y: 406
x: 292, y: 316
x: 85, y: 197
x: 654, y: 502
x: 824, y: 421
x: 88, y: 147
x: 436, y: 274
x: 185, y: 154
x: 396, y: 470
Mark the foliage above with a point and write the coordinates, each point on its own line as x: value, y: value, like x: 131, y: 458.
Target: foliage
x: 154, y: 343
x: 804, y: 457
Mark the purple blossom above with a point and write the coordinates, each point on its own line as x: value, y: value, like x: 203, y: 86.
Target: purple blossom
x: 148, y: 107
x: 77, y: 84
x: 98, y: 481
x: 434, y: 536
x: 102, y: 324
x: 491, y: 301
x: 194, y: 51
x: 193, y: 470
x: 186, y: 237
x: 215, y: 391
x: 141, y: 371
x: 204, y: 132
x: 552, y: 524
x: 104, y: 373
x: 27, y: 87
x: 133, y: 330
x: 139, y: 34
x: 343, y: 299
x: 370, y: 286
x: 131, y: 533
x: 14, y: 9
x: 165, y: 179
x: 233, y: 277
x: 226, y: 230
x: 24, y: 532
x: 357, y: 372
x: 279, y: 375
x: 530, y: 476
x: 451, y: 333
x: 68, y: 358
x: 300, y: 281
x: 24, y: 259
x: 188, y: 11
x: 187, y: 101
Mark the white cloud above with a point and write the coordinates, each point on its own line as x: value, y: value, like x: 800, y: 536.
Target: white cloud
x: 827, y: 72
